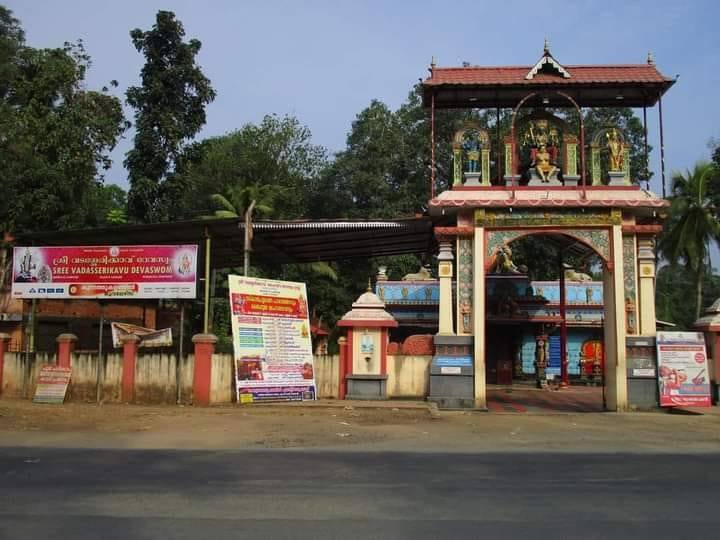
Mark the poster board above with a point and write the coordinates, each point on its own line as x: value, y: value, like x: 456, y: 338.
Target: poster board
x: 271, y: 340
x: 119, y: 272
x: 149, y: 337
x: 52, y: 384
x: 683, y: 370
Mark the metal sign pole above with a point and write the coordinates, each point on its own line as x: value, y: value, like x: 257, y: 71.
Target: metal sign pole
x: 178, y: 377
x: 101, y: 364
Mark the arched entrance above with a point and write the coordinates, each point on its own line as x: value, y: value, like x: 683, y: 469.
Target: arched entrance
x: 582, y: 232
x: 544, y: 321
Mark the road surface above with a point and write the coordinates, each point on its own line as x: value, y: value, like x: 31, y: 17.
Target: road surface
x: 119, y: 494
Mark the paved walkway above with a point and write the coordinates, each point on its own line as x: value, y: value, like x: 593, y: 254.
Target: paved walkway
x: 523, y: 399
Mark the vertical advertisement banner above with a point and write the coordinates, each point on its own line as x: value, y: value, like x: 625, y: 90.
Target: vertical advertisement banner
x: 271, y: 340
x: 682, y: 370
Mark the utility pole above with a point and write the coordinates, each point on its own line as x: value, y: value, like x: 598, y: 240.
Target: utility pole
x: 248, y: 237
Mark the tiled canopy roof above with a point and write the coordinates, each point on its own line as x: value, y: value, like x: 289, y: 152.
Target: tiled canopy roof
x: 475, y: 75
x: 626, y: 85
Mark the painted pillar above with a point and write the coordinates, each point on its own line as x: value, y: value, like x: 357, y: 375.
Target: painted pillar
x: 65, y: 348
x: 479, y: 317
x: 342, y: 384
x: 646, y: 285
x: 614, y: 300
x: 4, y: 340
x: 130, y: 347
x: 445, y: 274
x: 202, y: 375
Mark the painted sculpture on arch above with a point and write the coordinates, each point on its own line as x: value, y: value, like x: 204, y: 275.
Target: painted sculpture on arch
x: 471, y: 155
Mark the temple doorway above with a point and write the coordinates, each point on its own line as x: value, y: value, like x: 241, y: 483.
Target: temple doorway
x: 545, y: 312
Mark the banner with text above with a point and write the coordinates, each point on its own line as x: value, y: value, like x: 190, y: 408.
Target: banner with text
x: 271, y: 340
x: 682, y: 370
x: 84, y: 272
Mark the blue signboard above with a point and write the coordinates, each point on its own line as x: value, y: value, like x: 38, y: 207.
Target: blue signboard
x: 453, y: 361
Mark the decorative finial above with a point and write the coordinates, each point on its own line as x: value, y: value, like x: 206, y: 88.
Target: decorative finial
x: 369, y: 289
x: 651, y: 58
x: 546, y: 47
x: 432, y: 63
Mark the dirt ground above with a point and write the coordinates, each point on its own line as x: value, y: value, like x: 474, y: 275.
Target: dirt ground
x: 388, y: 426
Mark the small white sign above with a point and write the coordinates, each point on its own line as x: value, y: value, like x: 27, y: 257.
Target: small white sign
x: 451, y: 370
x: 550, y: 376
x: 643, y: 372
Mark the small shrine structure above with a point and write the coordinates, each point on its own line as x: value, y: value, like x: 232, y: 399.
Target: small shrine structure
x: 538, y: 172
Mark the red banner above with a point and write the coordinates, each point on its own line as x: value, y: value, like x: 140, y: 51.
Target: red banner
x: 105, y: 272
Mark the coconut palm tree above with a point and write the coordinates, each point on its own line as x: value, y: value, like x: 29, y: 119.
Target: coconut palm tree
x: 691, y: 224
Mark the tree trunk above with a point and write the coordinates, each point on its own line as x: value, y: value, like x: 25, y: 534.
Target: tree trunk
x: 699, y: 289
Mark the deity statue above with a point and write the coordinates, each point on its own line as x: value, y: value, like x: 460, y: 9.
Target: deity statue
x: 541, y: 358
x: 472, y: 149
x: 616, y: 150
x: 543, y: 164
x: 503, y: 262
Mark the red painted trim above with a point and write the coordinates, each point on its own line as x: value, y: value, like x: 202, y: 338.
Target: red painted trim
x: 342, y: 368
x: 349, y: 356
x: 202, y: 374
x: 716, y: 358
x: 461, y: 187
x: 642, y: 229
x: 383, y: 351
x: 128, y: 372
x: 449, y: 233
x: 368, y: 324
x: 549, y: 203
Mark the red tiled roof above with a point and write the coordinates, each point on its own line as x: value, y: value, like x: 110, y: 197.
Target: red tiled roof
x: 630, y: 73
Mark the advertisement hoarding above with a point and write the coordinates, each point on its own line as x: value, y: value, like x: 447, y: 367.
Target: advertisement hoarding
x: 271, y: 340
x: 683, y: 370
x: 85, y: 272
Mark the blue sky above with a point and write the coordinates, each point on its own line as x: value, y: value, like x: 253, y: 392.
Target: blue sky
x: 323, y: 61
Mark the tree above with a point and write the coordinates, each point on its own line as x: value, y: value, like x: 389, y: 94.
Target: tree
x: 55, y: 135
x: 169, y: 111
x: 691, y: 225
x: 273, y: 163
x: 674, y: 285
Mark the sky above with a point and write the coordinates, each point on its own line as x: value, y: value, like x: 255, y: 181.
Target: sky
x: 324, y: 61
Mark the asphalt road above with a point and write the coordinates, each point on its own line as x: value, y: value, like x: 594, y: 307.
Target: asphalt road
x: 113, y: 494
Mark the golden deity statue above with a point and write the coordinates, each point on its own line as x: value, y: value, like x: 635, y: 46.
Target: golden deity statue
x: 543, y: 164
x: 616, y: 150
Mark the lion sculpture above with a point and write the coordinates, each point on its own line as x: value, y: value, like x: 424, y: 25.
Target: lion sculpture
x: 421, y: 275
x: 572, y: 275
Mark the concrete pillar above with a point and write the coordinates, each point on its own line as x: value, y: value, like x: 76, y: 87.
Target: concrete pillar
x: 342, y: 388
x: 614, y: 300
x: 479, y: 317
x: 445, y: 274
x: 65, y: 348
x: 130, y: 347
x: 4, y: 340
x: 202, y: 375
x: 646, y: 285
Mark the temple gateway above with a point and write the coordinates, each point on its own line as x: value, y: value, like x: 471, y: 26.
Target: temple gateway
x: 543, y: 175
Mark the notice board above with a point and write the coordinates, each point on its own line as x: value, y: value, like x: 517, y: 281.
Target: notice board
x: 271, y: 340
x: 682, y: 370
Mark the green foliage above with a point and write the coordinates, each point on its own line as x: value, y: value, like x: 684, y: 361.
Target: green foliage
x: 169, y: 110
x: 56, y: 134
x: 674, y: 286
x: 691, y: 225
x: 273, y: 163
